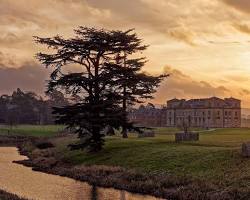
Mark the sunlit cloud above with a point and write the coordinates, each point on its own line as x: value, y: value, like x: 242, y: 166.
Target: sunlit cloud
x: 207, y: 41
x: 183, y: 34
x: 181, y: 85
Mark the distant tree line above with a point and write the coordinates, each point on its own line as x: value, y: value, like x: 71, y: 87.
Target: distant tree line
x: 29, y: 108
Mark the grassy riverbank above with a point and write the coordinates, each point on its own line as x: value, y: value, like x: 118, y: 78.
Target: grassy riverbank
x: 215, y: 159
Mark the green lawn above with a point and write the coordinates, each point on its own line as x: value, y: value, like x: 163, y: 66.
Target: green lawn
x: 216, y: 157
x: 172, y: 130
x: 31, y: 130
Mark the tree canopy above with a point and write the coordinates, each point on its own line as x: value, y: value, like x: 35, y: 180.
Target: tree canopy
x: 99, y: 86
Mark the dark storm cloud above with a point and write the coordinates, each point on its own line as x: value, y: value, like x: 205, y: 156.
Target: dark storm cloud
x: 242, y: 5
x: 29, y: 77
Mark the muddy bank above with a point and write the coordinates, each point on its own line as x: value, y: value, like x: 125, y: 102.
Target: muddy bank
x: 7, y: 196
x: 14, y: 140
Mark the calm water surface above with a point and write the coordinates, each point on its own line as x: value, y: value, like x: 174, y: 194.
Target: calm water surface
x: 24, y: 182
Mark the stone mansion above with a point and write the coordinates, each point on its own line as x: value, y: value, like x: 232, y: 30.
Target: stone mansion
x: 207, y: 113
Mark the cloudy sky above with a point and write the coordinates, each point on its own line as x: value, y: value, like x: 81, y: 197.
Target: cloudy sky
x: 203, y: 44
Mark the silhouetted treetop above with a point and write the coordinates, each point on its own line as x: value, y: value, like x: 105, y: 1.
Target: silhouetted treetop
x: 88, y: 43
x: 107, y: 81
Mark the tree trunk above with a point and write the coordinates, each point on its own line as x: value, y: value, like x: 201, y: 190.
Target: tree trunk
x: 96, y: 140
x: 124, y: 108
x: 124, y: 132
x: 94, y: 193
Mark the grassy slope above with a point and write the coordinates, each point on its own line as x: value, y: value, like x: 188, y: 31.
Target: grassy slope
x: 31, y: 130
x: 215, y: 157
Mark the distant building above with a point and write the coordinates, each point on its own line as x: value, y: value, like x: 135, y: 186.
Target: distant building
x: 208, y: 113
x: 245, y: 121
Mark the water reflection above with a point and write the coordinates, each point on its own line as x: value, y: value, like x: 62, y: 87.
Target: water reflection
x: 26, y: 183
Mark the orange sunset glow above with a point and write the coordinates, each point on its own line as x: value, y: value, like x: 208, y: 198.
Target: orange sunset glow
x: 203, y: 44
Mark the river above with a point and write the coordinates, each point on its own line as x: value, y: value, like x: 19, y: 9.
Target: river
x: 25, y: 182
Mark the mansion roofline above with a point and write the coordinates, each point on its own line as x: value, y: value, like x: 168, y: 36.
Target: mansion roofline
x: 208, y: 112
x: 212, y: 102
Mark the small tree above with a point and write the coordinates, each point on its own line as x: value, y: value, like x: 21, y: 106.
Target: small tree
x: 95, y: 86
x: 134, y: 85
